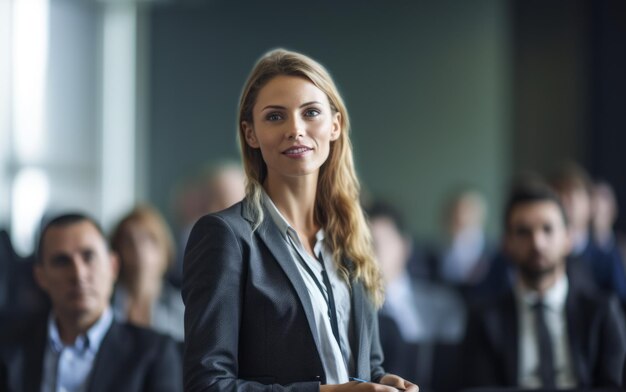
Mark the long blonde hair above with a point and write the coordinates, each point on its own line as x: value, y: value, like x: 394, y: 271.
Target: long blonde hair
x: 337, y: 207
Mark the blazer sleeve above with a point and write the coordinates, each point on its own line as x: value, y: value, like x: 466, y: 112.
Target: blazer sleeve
x: 376, y: 351
x: 214, y: 272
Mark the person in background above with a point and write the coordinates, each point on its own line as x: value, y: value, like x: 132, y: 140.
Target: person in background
x: 465, y: 259
x: 419, y: 318
x: 225, y: 186
x: 573, y: 186
x: 215, y: 188
x: 80, y: 346
x: 604, y: 214
x: 142, y: 296
x: 20, y: 296
x: 7, y: 259
x: 548, y: 331
x: 281, y: 289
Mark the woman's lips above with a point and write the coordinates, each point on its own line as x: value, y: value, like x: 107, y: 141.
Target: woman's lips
x: 297, y: 151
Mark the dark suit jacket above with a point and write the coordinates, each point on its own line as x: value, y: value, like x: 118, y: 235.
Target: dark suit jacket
x: 129, y: 359
x: 442, y: 317
x: 596, y: 339
x: 249, y: 322
x: 606, y: 267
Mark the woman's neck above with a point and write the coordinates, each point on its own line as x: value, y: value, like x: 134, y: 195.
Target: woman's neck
x: 295, y: 199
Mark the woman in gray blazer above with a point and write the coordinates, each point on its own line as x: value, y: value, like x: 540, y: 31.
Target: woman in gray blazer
x: 281, y: 288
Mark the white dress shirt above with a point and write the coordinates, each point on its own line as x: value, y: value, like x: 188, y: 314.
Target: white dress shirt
x: 67, y: 367
x: 337, y: 360
x: 556, y: 320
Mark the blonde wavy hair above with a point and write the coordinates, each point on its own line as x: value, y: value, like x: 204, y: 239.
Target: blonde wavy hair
x: 337, y: 207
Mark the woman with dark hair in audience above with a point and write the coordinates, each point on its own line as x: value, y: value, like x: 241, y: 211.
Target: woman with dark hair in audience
x: 146, y: 250
x: 281, y: 289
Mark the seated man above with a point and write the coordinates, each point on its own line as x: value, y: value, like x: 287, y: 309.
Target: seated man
x: 80, y: 347
x: 602, y: 261
x: 547, y: 331
x: 420, y: 320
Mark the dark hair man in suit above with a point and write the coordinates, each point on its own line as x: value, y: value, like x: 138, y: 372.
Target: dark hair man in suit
x: 603, y: 262
x: 549, y: 331
x: 80, y: 347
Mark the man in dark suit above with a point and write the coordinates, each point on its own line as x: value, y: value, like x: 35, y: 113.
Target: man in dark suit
x: 549, y: 330
x: 80, y: 347
x: 603, y: 261
x: 420, y: 321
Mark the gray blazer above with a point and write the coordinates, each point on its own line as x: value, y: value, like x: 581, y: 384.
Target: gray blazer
x: 249, y: 323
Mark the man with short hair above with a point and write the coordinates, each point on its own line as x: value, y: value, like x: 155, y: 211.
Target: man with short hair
x: 81, y: 347
x: 548, y: 331
x: 420, y: 320
x: 604, y: 263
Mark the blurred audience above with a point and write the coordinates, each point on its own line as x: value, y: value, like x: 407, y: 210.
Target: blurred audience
x: 80, y: 346
x: 20, y: 297
x: 143, y: 296
x: 605, y: 264
x: 466, y: 260
x: 215, y: 188
x: 604, y: 214
x: 418, y: 315
x: 7, y: 258
x: 465, y: 257
x: 547, y: 331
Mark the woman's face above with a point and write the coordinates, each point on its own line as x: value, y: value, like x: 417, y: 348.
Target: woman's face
x: 140, y: 252
x: 293, y: 126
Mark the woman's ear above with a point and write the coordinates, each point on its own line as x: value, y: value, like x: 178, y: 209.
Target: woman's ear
x: 336, y: 130
x: 248, y: 132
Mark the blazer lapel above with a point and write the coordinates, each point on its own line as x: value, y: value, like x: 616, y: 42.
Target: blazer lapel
x: 108, y: 362
x: 575, y: 332
x: 510, y: 338
x: 271, y: 236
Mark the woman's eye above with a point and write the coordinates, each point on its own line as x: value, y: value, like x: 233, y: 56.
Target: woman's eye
x: 311, y: 113
x: 273, y: 117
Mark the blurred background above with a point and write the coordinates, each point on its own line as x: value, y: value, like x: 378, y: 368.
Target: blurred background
x: 106, y: 103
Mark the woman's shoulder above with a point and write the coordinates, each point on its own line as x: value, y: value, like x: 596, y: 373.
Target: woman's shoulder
x: 232, y: 217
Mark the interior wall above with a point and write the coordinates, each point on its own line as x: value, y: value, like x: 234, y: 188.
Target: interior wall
x: 606, y: 134
x: 550, y: 67
x: 425, y: 84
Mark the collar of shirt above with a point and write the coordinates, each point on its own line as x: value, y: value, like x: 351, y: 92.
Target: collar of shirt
x: 554, y: 298
x: 337, y: 358
x: 89, y: 341
x: 285, y: 228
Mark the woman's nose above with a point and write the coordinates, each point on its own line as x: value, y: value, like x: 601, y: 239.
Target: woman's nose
x: 295, y: 128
